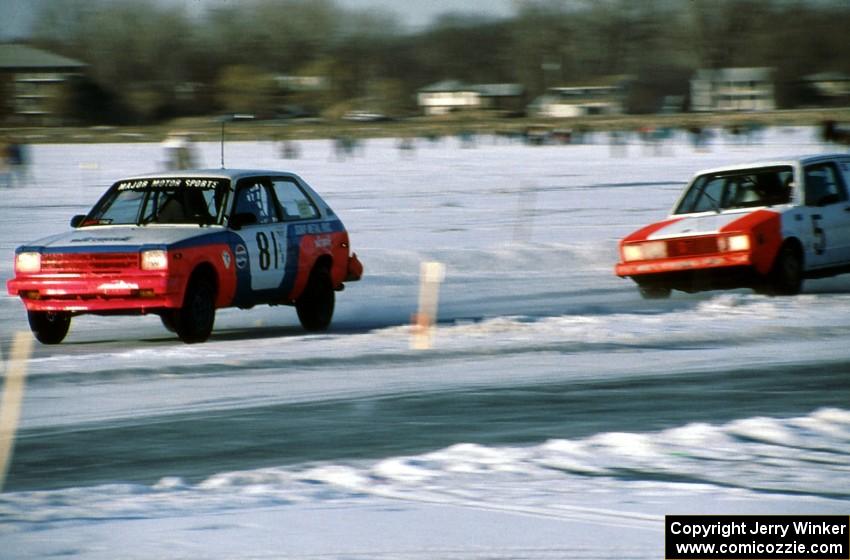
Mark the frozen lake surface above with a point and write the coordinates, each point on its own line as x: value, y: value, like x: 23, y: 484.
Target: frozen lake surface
x: 558, y: 414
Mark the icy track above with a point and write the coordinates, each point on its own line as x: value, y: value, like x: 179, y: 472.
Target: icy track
x: 558, y: 415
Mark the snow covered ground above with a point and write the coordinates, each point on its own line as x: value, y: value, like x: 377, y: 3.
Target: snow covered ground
x: 558, y: 415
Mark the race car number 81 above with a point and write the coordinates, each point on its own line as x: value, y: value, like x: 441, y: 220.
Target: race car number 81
x: 266, y: 255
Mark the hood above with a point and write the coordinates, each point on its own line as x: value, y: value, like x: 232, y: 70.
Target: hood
x: 704, y: 224
x: 111, y: 238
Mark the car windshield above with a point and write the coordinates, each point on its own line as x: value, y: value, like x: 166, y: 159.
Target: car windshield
x: 728, y: 190
x: 179, y: 200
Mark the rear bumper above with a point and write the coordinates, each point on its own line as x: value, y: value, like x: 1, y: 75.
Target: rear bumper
x: 80, y: 294
x: 355, y: 269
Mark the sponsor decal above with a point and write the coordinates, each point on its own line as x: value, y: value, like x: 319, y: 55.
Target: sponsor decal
x: 169, y: 183
x: 322, y: 242
x: 119, y: 285
x: 99, y: 239
x: 133, y: 185
x: 225, y: 258
x: 313, y: 229
x: 241, y: 256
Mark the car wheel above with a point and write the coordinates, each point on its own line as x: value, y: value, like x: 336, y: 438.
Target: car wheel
x: 49, y: 327
x: 786, y: 276
x: 194, y: 321
x: 315, y: 307
x: 169, y: 320
x: 650, y: 291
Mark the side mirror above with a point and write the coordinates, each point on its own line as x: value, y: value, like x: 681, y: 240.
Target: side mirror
x: 78, y: 220
x: 241, y: 219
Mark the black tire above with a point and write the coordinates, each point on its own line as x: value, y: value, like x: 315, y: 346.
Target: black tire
x: 650, y: 291
x: 786, y: 276
x: 315, y: 307
x: 194, y: 321
x: 169, y: 320
x: 49, y: 327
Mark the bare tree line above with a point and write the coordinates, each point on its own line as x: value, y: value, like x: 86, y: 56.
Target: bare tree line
x: 152, y: 60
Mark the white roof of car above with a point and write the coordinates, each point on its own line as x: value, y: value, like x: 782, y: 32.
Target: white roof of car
x: 232, y: 174
x: 792, y: 161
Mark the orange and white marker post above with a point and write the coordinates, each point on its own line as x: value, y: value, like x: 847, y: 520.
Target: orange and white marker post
x: 431, y: 276
x: 10, y: 403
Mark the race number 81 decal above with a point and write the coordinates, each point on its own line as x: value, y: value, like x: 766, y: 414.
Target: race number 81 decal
x: 269, y: 254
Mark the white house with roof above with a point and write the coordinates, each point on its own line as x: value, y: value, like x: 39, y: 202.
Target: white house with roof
x: 733, y: 89
x: 453, y: 95
x: 31, y: 81
x: 600, y: 98
x: 830, y: 87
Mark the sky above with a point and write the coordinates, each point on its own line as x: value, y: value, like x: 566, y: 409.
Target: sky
x: 17, y: 15
x: 418, y: 13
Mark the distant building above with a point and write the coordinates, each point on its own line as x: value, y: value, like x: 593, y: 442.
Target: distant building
x: 300, y: 96
x: 733, y: 89
x: 501, y: 97
x: 452, y: 95
x: 447, y: 96
x: 602, y: 98
x: 302, y: 83
x: 672, y: 104
x: 31, y: 82
x: 828, y: 88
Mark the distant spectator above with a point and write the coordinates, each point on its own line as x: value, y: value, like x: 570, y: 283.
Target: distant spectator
x: 14, y: 163
x: 406, y: 146
x: 5, y: 172
x: 833, y: 133
x: 179, y: 151
x: 17, y: 159
x: 289, y: 149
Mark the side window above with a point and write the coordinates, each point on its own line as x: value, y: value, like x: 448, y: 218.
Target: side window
x: 741, y: 191
x: 845, y: 171
x: 253, y: 197
x: 823, y: 185
x: 294, y: 203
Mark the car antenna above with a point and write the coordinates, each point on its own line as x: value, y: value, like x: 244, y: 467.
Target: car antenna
x: 231, y: 118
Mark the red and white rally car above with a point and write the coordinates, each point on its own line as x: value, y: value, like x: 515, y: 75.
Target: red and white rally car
x: 765, y: 225
x: 183, y: 244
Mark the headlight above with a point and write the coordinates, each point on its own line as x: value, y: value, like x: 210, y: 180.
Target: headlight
x: 654, y: 250
x: 155, y: 259
x: 646, y: 251
x: 632, y: 253
x: 28, y: 263
x: 734, y: 243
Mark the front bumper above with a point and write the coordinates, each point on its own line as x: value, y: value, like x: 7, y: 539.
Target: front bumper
x: 87, y: 294
x: 696, y: 274
x: 682, y: 264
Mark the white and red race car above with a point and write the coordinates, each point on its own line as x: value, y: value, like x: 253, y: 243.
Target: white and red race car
x: 765, y: 225
x: 183, y: 244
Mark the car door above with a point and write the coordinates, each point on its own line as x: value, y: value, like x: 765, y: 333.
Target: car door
x: 263, y: 234
x: 828, y: 211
